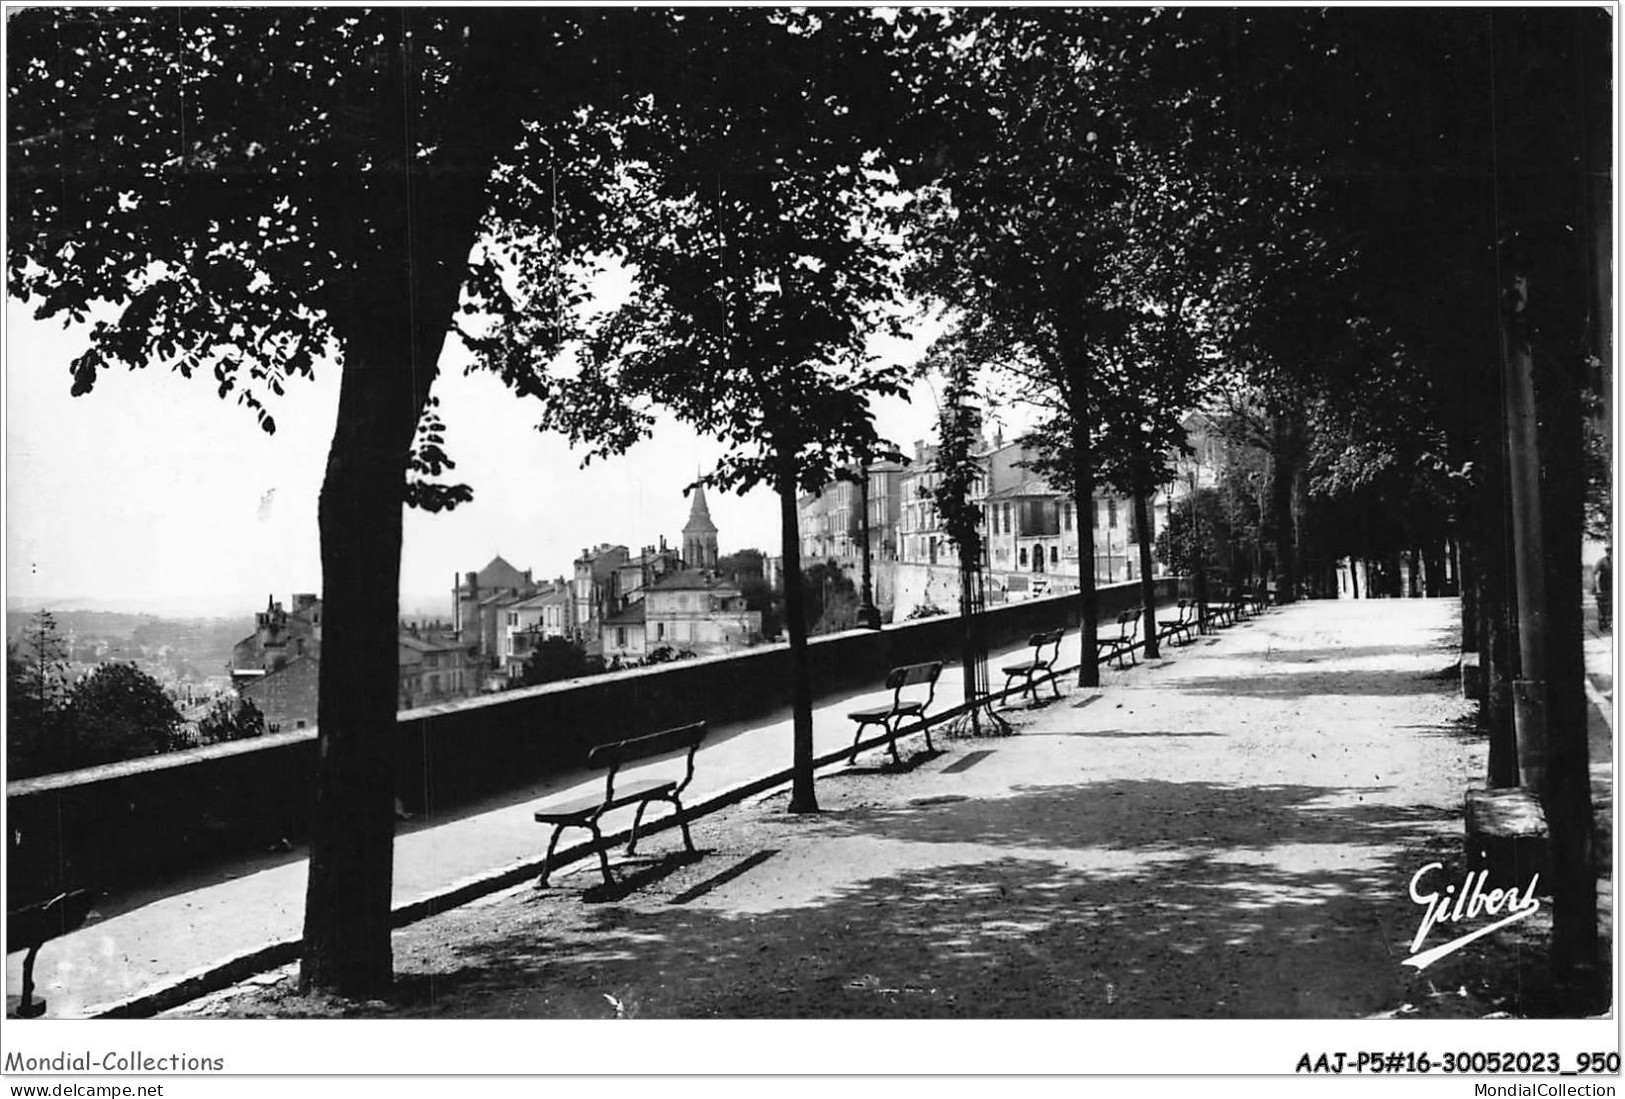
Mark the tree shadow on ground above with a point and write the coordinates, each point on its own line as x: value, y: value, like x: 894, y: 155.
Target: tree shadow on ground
x: 1006, y: 938
x: 1371, y: 683
x: 1329, y: 653
x: 1127, y: 734
x: 1149, y: 815
x: 1272, y: 902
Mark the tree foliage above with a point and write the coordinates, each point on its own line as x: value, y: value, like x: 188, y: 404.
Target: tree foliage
x: 119, y: 712
x: 1197, y: 535
x: 747, y: 211
x: 747, y: 569
x: 831, y: 598
x: 231, y: 717
x: 37, y: 691
x: 236, y: 193
x: 556, y: 658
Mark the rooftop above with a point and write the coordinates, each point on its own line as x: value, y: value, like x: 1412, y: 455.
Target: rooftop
x: 694, y: 580
x: 632, y: 615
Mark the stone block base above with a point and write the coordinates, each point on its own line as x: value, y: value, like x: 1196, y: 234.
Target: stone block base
x: 1506, y: 835
x: 1472, y: 677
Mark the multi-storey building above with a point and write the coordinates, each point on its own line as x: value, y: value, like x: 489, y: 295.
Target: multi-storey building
x: 885, y: 508
x: 658, y: 600
x: 532, y: 621
x: 1030, y: 530
x: 697, y: 611
x: 636, y: 573
x: 279, y: 638
x: 596, y: 592
x: 435, y: 668
x: 831, y: 521
x: 482, y: 604
x: 278, y: 667
x: 921, y: 537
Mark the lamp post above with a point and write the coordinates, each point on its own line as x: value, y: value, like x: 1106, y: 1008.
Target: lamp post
x: 868, y: 613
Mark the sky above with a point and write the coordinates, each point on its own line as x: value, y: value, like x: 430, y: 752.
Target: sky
x: 152, y: 494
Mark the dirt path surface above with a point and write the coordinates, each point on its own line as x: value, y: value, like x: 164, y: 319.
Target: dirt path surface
x: 1229, y: 832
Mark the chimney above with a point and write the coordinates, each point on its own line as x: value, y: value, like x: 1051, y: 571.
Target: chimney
x: 919, y: 450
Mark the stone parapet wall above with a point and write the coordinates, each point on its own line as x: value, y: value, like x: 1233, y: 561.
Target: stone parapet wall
x: 146, y: 821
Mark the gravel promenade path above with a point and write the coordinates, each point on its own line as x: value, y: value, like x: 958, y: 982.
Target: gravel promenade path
x: 1229, y: 832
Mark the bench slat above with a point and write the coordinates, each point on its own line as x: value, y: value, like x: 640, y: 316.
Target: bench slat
x: 580, y: 808
x: 875, y: 713
x: 646, y: 747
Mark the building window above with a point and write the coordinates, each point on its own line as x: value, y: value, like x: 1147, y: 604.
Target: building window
x: 1022, y: 557
x: 620, y: 637
x: 660, y: 631
x: 1111, y: 512
x: 1069, y: 515
x: 1007, y: 518
x: 1055, y: 555
x: 513, y: 618
x: 1094, y: 513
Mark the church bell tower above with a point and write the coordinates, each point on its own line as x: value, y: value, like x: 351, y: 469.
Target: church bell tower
x: 699, y: 534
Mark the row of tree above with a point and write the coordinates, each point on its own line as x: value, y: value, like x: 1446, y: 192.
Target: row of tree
x: 1305, y: 216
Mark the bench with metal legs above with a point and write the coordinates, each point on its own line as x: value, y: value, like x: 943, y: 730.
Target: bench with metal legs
x: 586, y: 812
x: 904, y: 684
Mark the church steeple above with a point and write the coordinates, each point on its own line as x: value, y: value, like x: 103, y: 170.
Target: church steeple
x: 699, y: 534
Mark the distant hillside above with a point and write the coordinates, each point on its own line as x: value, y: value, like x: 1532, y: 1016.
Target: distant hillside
x: 201, y: 646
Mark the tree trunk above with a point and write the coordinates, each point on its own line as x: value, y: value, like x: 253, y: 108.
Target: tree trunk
x: 1083, y: 494
x: 1148, y: 584
x: 1354, y: 576
x: 404, y: 233
x: 1433, y: 570
x: 1491, y: 566
x: 347, y: 901
x: 969, y: 650
x: 1467, y: 585
x: 1282, y: 475
x: 1566, y: 791
x: 1199, y: 560
x: 802, y: 797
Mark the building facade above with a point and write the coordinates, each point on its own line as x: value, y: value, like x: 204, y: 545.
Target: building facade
x: 532, y: 621
x: 1031, y: 531
x: 280, y: 637
x: 697, y: 611
x: 435, y: 669
x: 596, y: 592
x: 278, y: 667
x: 482, y: 602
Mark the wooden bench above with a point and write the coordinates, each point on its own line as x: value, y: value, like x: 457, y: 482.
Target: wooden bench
x: 1226, y: 612
x: 908, y: 678
x: 1182, y: 626
x: 32, y: 926
x: 586, y: 812
x: 1119, y: 645
x: 1041, y: 667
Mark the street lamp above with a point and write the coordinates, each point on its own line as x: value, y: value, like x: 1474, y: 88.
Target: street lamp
x: 868, y: 613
